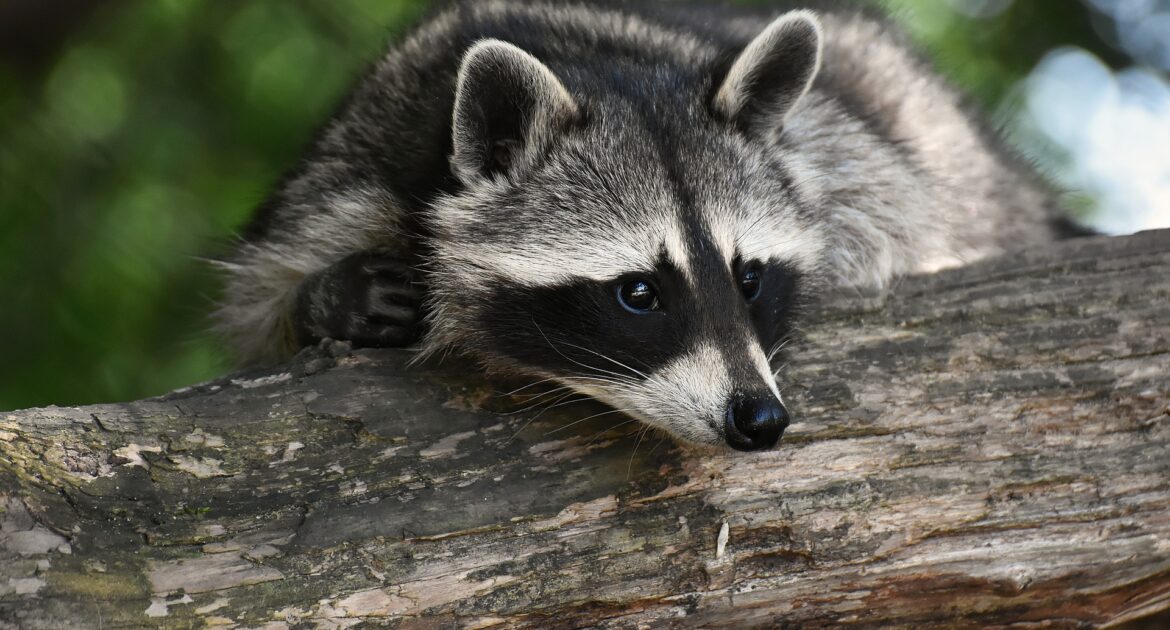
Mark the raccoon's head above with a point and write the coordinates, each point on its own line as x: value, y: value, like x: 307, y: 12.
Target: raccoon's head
x: 630, y: 232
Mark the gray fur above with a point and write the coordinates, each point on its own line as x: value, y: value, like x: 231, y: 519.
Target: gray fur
x: 861, y: 167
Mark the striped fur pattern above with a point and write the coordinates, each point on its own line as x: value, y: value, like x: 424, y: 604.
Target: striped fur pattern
x: 531, y: 160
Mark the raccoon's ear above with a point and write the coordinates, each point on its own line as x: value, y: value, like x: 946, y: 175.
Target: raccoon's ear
x: 772, y: 73
x: 508, y: 105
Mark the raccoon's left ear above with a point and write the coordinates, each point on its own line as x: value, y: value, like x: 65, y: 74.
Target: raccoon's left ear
x: 508, y: 106
x: 771, y: 74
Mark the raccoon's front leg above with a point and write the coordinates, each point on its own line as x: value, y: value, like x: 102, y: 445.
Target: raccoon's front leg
x: 370, y: 298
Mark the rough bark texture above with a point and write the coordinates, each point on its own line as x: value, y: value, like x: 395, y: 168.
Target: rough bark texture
x: 982, y: 447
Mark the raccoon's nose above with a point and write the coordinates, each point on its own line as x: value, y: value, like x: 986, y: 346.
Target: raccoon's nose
x: 754, y: 422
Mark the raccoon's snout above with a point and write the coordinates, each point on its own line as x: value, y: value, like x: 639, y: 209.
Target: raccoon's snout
x: 754, y: 422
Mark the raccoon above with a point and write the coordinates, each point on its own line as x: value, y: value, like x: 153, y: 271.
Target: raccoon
x: 631, y: 200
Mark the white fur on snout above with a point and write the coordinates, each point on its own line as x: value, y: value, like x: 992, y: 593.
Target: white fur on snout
x: 687, y: 397
x: 760, y: 361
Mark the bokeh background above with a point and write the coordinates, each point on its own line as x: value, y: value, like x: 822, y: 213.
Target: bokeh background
x: 136, y: 136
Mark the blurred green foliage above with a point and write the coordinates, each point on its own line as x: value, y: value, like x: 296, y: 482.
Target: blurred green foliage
x: 156, y: 127
x: 145, y: 143
x: 987, y: 57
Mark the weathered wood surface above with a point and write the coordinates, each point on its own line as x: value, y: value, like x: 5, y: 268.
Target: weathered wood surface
x: 987, y: 446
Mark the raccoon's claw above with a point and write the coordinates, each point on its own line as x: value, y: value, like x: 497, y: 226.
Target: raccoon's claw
x: 368, y: 298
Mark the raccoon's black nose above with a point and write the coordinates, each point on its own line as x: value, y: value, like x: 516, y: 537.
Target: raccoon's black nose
x: 755, y: 422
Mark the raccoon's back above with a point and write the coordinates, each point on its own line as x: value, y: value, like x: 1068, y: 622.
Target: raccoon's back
x: 394, y: 133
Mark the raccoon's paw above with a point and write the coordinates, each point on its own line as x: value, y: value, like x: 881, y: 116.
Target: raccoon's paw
x: 370, y: 299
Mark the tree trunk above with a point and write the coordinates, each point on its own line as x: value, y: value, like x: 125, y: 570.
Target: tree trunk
x: 985, y: 446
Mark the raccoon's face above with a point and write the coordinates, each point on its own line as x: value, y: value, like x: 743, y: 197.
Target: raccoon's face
x: 653, y: 261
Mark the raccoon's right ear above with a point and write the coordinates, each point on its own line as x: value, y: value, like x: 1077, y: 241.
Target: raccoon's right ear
x: 772, y: 73
x: 508, y: 106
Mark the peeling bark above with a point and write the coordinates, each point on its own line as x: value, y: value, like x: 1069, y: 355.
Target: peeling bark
x: 981, y: 447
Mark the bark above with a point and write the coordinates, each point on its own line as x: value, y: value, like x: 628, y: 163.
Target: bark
x: 985, y: 446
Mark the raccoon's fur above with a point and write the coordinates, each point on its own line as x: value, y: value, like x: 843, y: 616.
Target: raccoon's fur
x: 535, y: 173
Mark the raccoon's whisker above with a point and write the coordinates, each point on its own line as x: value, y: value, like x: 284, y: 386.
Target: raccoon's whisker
x: 596, y: 415
x: 597, y: 370
x: 607, y: 358
x: 566, y: 357
x: 630, y: 464
x: 591, y: 351
x: 561, y: 398
x: 520, y: 389
x: 550, y: 396
x: 559, y: 402
x: 752, y: 226
x: 604, y: 431
x: 776, y: 350
x: 619, y: 382
x: 661, y: 439
x: 538, y: 394
x: 615, y: 378
x: 536, y: 398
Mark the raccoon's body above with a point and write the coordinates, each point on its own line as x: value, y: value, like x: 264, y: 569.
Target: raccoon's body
x: 630, y: 200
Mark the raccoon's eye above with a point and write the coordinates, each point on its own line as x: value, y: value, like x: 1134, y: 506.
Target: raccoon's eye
x: 749, y: 283
x: 638, y: 296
